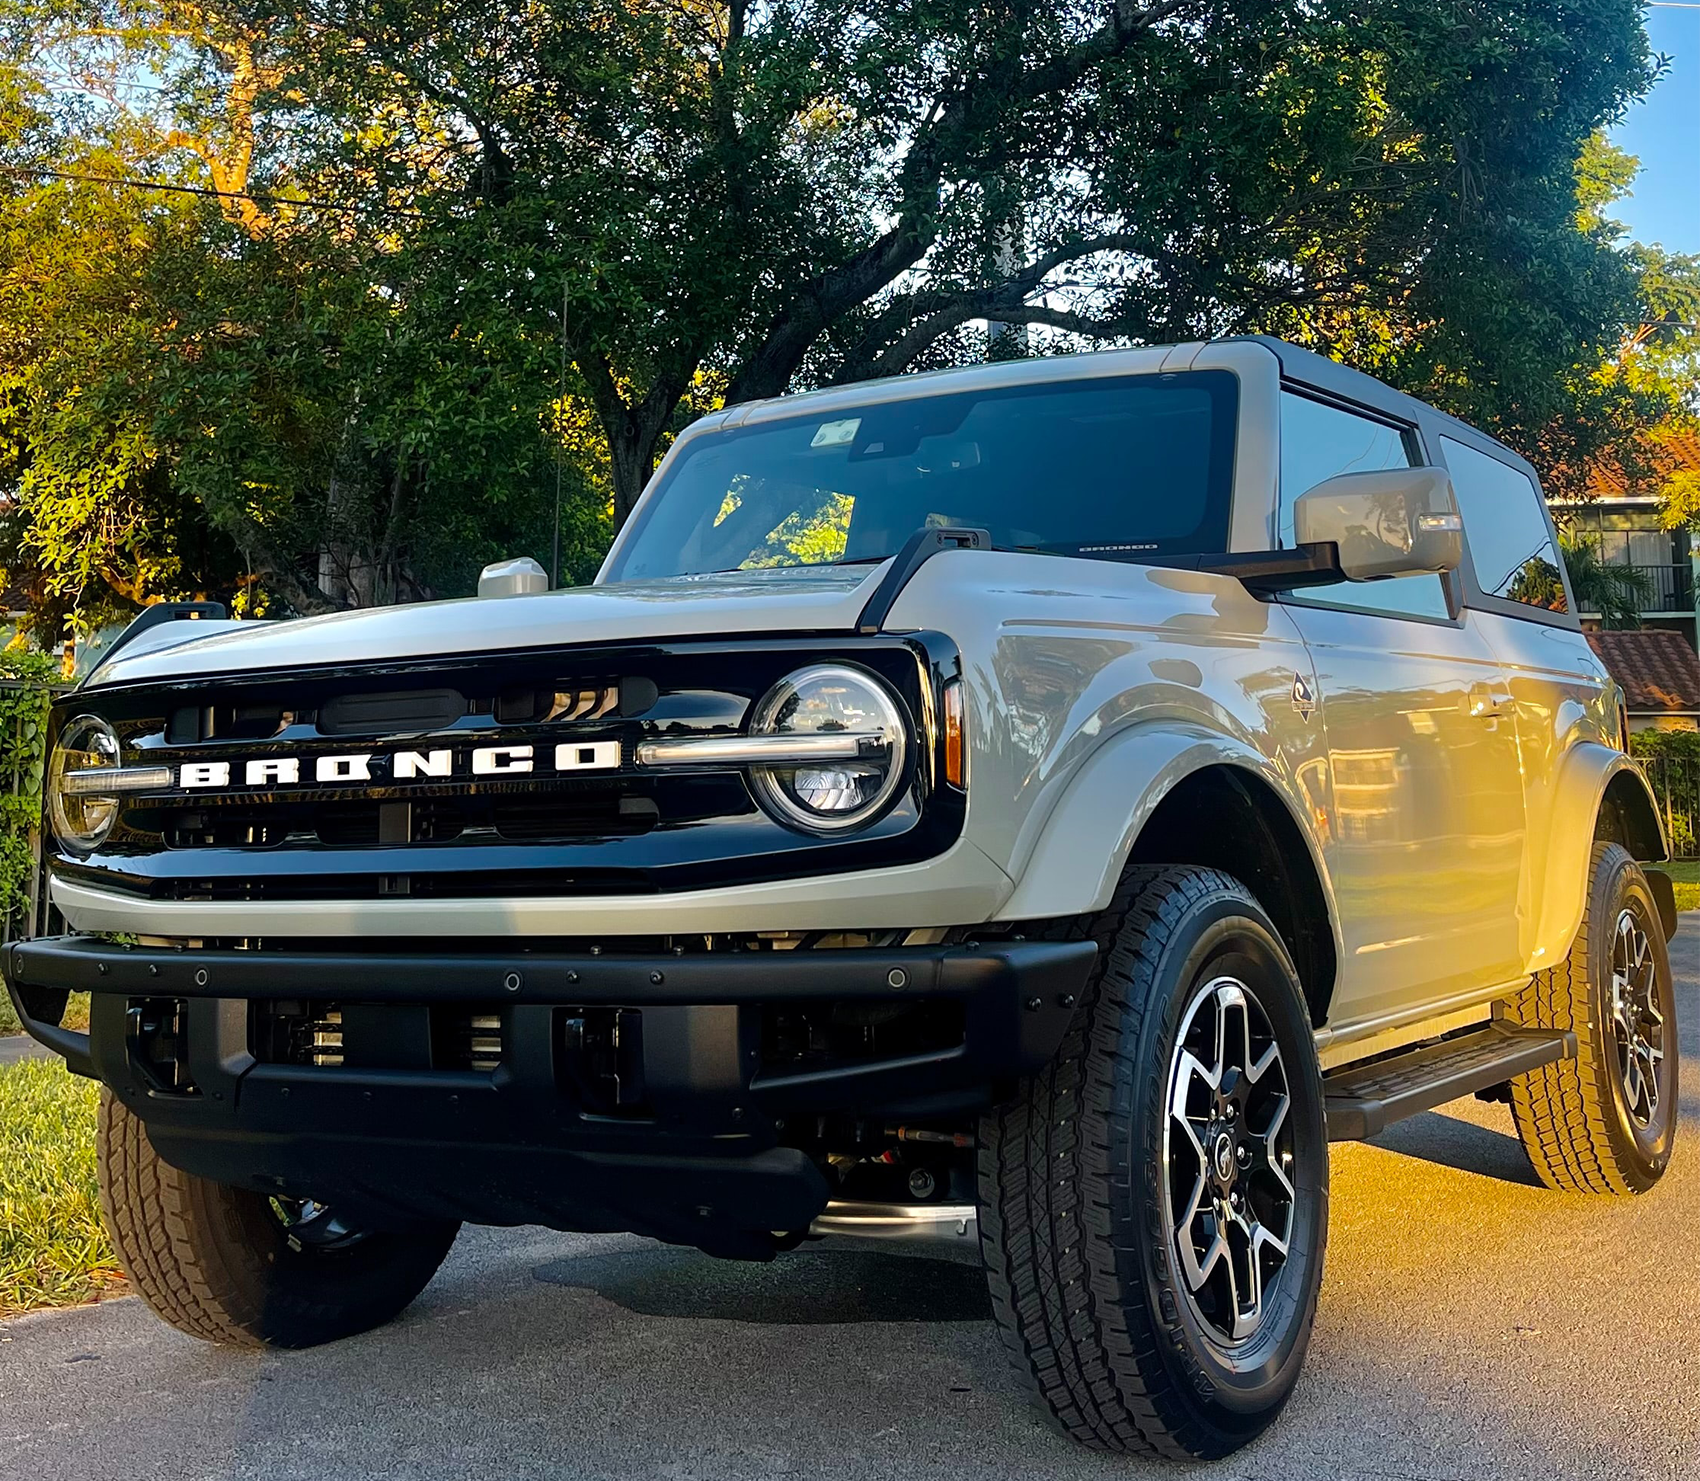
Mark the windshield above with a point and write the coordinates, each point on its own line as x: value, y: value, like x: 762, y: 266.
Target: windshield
x: 1123, y: 468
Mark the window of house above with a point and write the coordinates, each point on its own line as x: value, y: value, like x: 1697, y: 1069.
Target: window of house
x: 1318, y: 442
x: 1505, y: 528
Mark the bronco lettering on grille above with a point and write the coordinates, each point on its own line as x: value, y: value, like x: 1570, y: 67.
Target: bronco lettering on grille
x: 402, y: 766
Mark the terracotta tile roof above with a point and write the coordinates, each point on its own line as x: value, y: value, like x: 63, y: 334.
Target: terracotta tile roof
x: 1659, y: 669
x: 1672, y: 448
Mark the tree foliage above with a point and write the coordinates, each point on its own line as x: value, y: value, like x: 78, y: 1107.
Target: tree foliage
x: 468, y: 250
x: 1617, y: 592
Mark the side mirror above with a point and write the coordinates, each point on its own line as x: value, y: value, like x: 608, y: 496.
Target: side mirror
x: 1394, y: 522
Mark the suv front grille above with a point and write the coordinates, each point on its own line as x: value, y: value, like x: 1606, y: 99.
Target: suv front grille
x: 323, y: 785
x: 580, y: 810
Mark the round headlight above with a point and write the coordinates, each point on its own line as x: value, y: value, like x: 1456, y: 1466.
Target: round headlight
x: 843, y: 785
x: 82, y: 817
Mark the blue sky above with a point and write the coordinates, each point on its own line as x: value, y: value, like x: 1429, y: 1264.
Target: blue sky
x: 1664, y: 132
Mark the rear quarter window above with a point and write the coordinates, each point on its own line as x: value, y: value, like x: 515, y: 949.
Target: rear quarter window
x: 1505, y: 530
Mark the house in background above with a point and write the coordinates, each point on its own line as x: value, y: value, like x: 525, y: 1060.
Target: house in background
x: 1625, y: 529
x: 1660, y: 675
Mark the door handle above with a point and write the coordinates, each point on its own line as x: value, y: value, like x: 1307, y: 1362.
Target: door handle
x: 1489, y: 704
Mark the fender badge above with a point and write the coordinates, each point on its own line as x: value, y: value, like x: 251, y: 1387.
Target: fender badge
x: 1303, y: 700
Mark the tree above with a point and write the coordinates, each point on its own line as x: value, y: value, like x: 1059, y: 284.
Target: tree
x: 1617, y: 593
x: 200, y: 384
x: 678, y: 203
x: 817, y: 192
x: 1634, y: 424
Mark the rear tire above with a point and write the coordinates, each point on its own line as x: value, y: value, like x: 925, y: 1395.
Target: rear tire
x: 1105, y: 1186
x: 235, y: 1267
x: 1604, y: 1122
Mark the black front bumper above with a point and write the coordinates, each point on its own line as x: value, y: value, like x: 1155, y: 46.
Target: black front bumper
x: 703, y: 1160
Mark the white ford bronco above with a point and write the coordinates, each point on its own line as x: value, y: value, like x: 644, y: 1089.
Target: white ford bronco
x: 1043, y: 803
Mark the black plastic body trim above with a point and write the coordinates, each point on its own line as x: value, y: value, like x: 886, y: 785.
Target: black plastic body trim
x: 1265, y: 572
x: 917, y: 550
x: 704, y: 1161
x: 1365, y: 1099
x: 40, y: 1011
x: 92, y: 964
x: 151, y: 617
x: 1664, y: 896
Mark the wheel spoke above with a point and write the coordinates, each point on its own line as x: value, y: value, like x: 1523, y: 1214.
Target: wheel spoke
x: 1199, y: 1271
x: 1637, y: 1020
x: 1227, y: 1149
x: 1272, y: 1156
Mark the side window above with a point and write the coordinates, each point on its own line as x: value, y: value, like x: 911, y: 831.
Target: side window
x: 1319, y: 441
x: 1505, y: 529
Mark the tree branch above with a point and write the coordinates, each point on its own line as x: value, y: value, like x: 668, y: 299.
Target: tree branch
x: 951, y: 122
x: 304, y: 596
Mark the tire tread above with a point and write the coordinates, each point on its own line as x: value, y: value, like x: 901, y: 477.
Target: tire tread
x: 1086, y: 1351
x: 1562, y: 1110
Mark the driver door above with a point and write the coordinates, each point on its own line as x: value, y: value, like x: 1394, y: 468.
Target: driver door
x: 1425, y: 797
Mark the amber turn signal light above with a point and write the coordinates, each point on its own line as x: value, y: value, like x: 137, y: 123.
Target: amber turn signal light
x: 955, y: 744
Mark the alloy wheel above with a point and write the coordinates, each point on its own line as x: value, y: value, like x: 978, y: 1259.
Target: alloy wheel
x: 1228, y: 1150
x: 1637, y: 1021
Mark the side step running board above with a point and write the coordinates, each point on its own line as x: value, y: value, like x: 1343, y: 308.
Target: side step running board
x: 1363, y: 1099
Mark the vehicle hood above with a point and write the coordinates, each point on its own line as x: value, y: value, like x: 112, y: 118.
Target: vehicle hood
x: 813, y: 599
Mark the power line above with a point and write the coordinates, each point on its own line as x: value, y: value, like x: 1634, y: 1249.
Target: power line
x: 25, y: 171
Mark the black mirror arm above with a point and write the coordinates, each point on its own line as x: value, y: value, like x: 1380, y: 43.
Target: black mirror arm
x: 1265, y: 572
x: 917, y: 550
x: 151, y: 617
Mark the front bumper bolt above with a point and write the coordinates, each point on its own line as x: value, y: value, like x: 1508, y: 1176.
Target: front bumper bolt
x: 657, y: 978
x: 1035, y: 1004
x: 1065, y: 1000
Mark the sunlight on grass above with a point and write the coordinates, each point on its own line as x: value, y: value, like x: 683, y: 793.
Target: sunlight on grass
x: 53, y: 1251
x: 1685, y: 875
x: 76, y: 1014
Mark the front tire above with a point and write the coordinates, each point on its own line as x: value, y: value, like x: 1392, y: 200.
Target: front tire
x: 235, y: 1267
x: 1153, y: 1206
x: 1604, y: 1122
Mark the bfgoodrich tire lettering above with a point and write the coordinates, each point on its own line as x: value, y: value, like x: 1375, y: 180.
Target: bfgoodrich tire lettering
x: 1604, y: 1122
x: 1086, y: 1279
x: 229, y: 1266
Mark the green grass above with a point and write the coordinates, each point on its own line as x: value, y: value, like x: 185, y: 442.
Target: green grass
x: 1686, y: 876
x: 53, y: 1251
x: 76, y: 1014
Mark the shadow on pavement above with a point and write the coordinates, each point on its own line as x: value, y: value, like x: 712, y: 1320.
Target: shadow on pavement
x: 1448, y: 1141
x: 805, y: 1287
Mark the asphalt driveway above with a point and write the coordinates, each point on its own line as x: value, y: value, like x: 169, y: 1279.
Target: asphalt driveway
x: 1472, y: 1325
